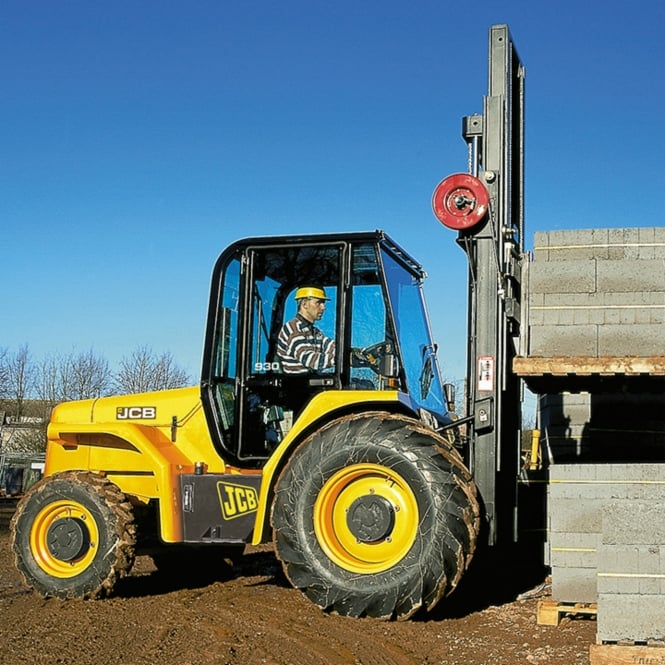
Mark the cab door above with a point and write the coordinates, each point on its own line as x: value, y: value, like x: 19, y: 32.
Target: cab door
x: 249, y: 402
x: 271, y: 400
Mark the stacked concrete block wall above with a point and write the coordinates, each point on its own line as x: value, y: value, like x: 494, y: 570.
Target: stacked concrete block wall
x: 580, y: 496
x: 631, y: 571
x: 597, y: 292
x: 604, y: 427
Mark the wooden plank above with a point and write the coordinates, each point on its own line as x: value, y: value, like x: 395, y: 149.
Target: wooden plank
x: 589, y: 365
x: 547, y: 614
x: 550, y: 613
x: 634, y: 654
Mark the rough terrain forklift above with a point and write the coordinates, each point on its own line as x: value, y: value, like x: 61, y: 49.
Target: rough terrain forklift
x: 358, y: 473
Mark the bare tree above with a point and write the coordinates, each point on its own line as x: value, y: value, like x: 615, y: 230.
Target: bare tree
x: 49, y: 380
x: 20, y: 378
x: 144, y: 371
x: 75, y: 376
x: 91, y: 376
x: 4, y: 374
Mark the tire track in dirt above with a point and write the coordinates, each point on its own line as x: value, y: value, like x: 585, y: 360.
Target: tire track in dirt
x: 253, y: 616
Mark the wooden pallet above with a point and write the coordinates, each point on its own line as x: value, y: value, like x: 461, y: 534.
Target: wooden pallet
x: 550, y: 612
x: 627, y: 654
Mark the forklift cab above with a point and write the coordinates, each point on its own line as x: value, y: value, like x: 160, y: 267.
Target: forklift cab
x: 375, y: 314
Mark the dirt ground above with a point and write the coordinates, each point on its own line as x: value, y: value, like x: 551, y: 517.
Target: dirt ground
x: 250, y: 614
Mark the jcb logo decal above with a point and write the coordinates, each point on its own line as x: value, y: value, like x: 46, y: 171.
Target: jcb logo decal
x: 237, y: 500
x: 136, y: 413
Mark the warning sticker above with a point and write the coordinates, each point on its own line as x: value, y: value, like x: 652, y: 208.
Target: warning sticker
x: 486, y: 373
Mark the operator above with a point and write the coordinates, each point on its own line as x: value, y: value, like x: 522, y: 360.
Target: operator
x: 301, y: 346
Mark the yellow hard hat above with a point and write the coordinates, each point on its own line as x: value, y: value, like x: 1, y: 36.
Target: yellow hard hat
x: 311, y: 292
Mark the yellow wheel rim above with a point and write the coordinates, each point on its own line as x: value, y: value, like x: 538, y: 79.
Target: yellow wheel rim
x: 56, y: 532
x: 366, y: 518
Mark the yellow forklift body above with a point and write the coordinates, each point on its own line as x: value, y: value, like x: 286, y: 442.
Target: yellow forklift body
x: 144, y: 443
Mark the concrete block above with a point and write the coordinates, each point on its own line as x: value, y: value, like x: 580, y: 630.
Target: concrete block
x: 630, y: 275
x: 635, y: 340
x: 634, y: 522
x: 574, y: 585
x: 576, y: 515
x: 630, y: 617
x: 625, y: 560
x: 570, y: 276
x: 548, y: 341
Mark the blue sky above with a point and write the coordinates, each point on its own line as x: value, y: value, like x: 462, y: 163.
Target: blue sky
x: 138, y: 139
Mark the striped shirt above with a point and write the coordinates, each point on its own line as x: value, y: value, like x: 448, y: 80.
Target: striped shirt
x: 303, y: 348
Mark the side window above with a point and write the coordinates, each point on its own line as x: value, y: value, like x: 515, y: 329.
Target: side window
x: 418, y: 351
x: 226, y: 351
x: 227, y: 323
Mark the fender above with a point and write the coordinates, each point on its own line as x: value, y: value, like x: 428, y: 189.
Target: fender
x: 322, y: 407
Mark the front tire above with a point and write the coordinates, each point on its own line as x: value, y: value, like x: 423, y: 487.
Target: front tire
x: 73, y: 536
x: 375, y: 515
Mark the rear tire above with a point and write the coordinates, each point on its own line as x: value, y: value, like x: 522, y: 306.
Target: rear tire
x: 375, y: 515
x: 73, y: 536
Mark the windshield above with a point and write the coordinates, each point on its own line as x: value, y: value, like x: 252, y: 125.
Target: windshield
x: 413, y: 332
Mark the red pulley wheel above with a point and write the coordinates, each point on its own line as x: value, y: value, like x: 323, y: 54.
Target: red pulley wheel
x: 460, y: 201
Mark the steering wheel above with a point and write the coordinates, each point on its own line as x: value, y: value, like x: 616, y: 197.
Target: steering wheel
x: 370, y: 356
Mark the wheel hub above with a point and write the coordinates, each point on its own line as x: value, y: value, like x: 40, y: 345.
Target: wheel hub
x: 67, y: 538
x: 370, y: 518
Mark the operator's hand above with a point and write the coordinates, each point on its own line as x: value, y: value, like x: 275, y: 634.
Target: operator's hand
x: 358, y: 358
x: 365, y: 357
